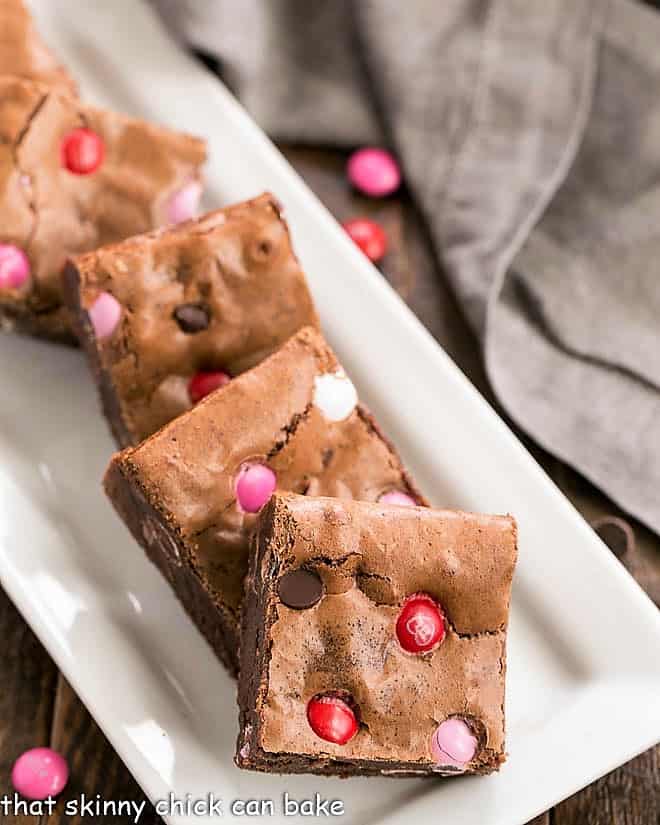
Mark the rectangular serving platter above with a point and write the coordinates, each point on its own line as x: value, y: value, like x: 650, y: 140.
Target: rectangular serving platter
x: 584, y: 671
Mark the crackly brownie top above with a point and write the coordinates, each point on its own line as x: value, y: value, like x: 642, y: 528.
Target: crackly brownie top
x: 292, y: 422
x: 217, y: 294
x: 342, y: 586
x: 23, y: 52
x: 73, y: 178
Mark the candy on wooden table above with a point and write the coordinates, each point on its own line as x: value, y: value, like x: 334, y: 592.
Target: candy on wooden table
x: 369, y: 236
x: 39, y: 773
x: 374, y: 172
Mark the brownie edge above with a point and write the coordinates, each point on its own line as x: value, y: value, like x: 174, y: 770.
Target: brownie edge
x: 164, y: 548
x: 82, y: 328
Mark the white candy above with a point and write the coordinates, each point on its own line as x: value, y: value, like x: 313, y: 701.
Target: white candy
x: 335, y: 395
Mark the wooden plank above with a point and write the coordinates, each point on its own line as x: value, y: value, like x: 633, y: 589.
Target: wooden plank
x: 629, y: 795
x: 28, y: 678
x: 94, y: 766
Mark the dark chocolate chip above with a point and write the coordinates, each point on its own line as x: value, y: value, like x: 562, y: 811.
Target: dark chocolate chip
x: 192, y: 317
x: 616, y: 533
x: 300, y: 589
x: 261, y: 250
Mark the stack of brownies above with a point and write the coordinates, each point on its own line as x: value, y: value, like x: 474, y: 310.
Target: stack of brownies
x: 367, y: 630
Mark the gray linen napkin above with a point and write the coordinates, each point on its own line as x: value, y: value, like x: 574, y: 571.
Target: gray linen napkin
x: 530, y: 136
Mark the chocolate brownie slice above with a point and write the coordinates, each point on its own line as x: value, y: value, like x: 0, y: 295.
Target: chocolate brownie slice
x: 73, y: 178
x: 23, y: 51
x: 190, y: 494
x: 374, y: 639
x: 166, y: 317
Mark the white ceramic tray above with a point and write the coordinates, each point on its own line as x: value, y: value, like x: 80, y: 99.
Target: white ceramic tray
x: 584, y: 671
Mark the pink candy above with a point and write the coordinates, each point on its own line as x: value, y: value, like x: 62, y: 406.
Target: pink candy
x: 453, y: 743
x: 40, y: 773
x: 397, y: 497
x: 104, y: 315
x: 254, y: 486
x: 374, y: 172
x: 14, y: 266
x: 183, y: 204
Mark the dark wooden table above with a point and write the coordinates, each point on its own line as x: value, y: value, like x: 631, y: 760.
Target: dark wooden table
x: 37, y: 706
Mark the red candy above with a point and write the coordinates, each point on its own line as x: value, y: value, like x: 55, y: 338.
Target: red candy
x: 82, y: 151
x: 369, y: 236
x: 374, y: 172
x: 203, y: 383
x: 421, y: 624
x: 332, y: 719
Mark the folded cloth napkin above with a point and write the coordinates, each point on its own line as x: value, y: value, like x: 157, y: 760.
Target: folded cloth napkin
x: 530, y: 137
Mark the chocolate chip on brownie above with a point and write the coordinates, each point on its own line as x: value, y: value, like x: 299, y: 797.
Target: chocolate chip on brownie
x: 192, y: 317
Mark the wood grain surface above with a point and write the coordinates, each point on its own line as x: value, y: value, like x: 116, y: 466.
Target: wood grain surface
x: 37, y: 706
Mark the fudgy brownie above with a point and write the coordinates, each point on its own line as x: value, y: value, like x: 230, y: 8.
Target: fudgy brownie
x: 191, y: 492
x: 374, y: 639
x: 73, y: 178
x: 23, y: 52
x: 169, y: 316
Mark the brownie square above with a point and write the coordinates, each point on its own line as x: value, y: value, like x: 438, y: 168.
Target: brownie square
x: 73, y: 178
x: 191, y: 492
x: 193, y: 304
x: 374, y: 639
x: 23, y: 52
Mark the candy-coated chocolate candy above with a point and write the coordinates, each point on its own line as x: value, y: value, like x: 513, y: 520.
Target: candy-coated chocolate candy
x: 255, y: 484
x: 183, y: 205
x: 453, y: 744
x: 204, y: 382
x: 369, y: 236
x: 398, y: 497
x: 104, y: 315
x: 374, y: 172
x: 40, y: 773
x: 335, y: 395
x: 332, y: 719
x: 82, y: 151
x: 14, y: 266
x: 421, y: 624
